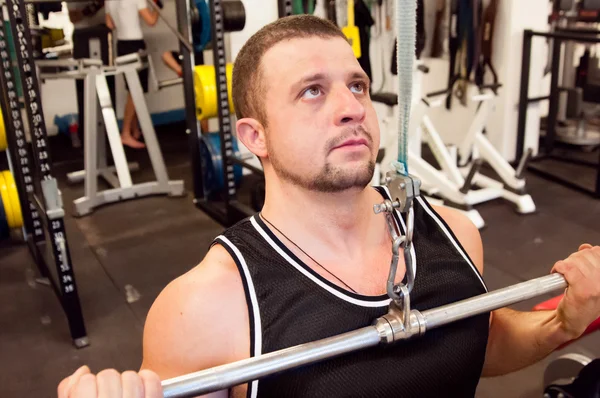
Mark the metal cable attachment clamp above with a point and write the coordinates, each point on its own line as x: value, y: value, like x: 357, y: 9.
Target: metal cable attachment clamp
x: 403, y: 191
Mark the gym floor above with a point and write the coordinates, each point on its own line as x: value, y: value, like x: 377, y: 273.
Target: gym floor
x: 124, y: 255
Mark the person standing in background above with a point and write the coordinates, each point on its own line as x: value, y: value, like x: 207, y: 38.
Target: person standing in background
x: 123, y: 17
x: 88, y: 24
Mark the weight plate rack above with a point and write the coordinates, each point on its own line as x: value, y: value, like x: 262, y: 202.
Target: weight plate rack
x: 228, y: 211
x: 38, y: 189
x: 223, y: 98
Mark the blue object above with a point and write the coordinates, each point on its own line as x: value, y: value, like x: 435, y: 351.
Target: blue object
x: 4, y: 229
x: 64, y: 122
x: 201, y: 30
x: 212, y: 164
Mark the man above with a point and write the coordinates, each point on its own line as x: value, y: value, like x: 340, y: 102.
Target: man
x: 123, y: 16
x: 89, y: 27
x: 314, y: 262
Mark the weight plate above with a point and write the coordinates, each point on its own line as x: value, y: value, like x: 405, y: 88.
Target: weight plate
x: 205, y: 87
x: 212, y: 166
x: 13, y: 194
x: 3, y: 142
x: 4, y: 229
x: 6, y: 201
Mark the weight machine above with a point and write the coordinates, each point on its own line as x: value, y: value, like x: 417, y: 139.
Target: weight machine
x: 215, y: 153
x: 38, y: 192
x: 459, y: 183
x: 586, y: 182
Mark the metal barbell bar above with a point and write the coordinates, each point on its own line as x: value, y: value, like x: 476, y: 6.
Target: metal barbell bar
x: 387, y: 329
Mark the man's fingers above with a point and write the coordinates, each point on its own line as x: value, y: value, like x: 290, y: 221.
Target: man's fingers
x: 133, y: 386
x: 585, y: 246
x: 85, y: 387
x: 152, y: 386
x: 65, y: 386
x: 109, y: 384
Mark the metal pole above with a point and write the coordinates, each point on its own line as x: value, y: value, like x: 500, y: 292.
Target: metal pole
x: 182, y: 39
x: 223, y: 377
x: 490, y: 301
x: 524, y: 92
x: 226, y: 376
x: 554, y: 93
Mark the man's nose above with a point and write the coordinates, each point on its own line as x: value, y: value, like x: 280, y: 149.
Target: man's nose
x: 348, y: 109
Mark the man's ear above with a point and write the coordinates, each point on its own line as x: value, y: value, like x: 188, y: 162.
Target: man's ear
x: 252, y: 134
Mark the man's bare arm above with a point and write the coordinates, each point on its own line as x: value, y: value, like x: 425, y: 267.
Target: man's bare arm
x: 519, y: 339
x: 199, y: 321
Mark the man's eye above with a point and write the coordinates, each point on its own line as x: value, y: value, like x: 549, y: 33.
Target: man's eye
x: 311, y: 92
x: 358, y: 88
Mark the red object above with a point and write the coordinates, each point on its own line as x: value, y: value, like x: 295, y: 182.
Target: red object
x: 553, y: 303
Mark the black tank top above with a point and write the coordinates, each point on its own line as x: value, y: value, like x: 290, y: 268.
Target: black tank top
x: 290, y: 304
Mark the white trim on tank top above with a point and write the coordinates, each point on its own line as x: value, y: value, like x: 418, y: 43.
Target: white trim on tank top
x: 254, y: 302
x: 449, y: 235
x: 318, y: 281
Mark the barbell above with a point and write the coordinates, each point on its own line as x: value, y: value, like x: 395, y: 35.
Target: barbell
x: 385, y: 330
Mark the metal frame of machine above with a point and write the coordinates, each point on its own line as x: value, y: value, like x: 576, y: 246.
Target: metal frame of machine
x: 548, y: 149
x: 39, y: 195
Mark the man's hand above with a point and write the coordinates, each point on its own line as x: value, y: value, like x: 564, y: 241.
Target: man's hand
x: 110, y: 384
x: 580, y: 305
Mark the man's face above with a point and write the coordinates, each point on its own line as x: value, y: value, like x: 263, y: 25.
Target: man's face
x: 322, y: 131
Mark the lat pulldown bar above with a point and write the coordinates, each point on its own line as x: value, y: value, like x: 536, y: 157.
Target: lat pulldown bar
x: 387, y: 329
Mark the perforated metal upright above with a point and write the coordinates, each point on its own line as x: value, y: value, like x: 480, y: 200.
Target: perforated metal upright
x: 229, y: 210
x: 285, y: 8
x: 40, y: 198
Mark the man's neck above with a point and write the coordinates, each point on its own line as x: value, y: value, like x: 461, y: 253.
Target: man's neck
x: 342, y: 222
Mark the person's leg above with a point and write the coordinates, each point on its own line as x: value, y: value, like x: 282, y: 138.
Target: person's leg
x: 125, y: 47
x: 169, y: 59
x: 127, y: 137
x: 143, y: 76
x: 137, y: 131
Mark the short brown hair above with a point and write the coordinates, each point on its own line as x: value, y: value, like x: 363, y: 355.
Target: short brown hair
x: 247, y: 87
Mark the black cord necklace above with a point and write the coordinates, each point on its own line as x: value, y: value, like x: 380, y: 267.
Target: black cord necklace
x: 307, y: 255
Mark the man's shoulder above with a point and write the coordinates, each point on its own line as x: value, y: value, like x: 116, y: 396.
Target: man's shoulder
x: 193, y: 311
x: 214, y: 276
x: 465, y: 231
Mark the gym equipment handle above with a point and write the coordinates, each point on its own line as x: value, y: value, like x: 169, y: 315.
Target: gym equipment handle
x: 229, y: 375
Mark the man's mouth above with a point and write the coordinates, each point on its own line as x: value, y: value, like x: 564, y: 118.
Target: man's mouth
x: 353, y: 143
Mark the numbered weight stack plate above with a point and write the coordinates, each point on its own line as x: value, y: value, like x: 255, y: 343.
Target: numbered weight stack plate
x: 212, y: 164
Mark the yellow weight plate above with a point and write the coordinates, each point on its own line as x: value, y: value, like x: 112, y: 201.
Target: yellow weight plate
x: 3, y: 143
x: 206, y: 90
x: 13, y: 194
x: 6, y: 200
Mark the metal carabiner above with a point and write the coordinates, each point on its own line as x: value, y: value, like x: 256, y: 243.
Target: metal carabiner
x: 392, y: 288
x: 391, y: 285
